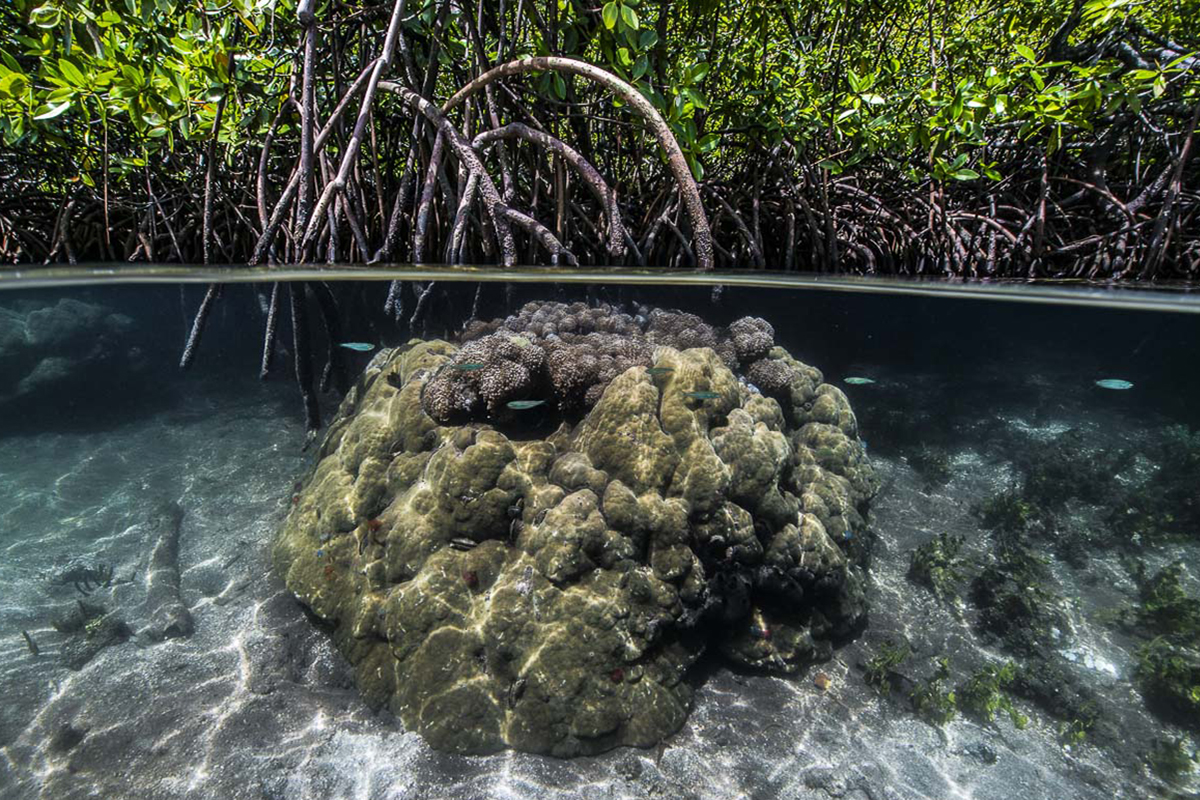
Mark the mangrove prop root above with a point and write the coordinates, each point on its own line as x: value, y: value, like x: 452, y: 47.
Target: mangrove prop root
x: 302, y: 356
x: 335, y: 367
x: 591, y: 176
x: 201, y: 319
x: 662, y: 132
x: 469, y: 159
x: 268, y: 352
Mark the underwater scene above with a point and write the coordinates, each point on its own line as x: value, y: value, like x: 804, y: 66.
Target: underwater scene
x: 555, y: 535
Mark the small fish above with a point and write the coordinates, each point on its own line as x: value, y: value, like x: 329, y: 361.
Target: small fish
x: 362, y: 347
x: 320, y: 553
x: 466, y: 367
x: 859, y: 381
x: 702, y: 395
x: 822, y: 681
x: 33, y: 648
x: 462, y: 543
x: 656, y: 371
x: 521, y: 405
x: 1114, y: 383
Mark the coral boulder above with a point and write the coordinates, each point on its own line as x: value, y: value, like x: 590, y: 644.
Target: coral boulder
x: 545, y: 582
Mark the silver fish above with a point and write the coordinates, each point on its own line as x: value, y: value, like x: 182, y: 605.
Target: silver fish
x: 521, y: 405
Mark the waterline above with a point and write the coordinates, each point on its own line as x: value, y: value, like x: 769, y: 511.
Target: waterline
x: 1180, y: 298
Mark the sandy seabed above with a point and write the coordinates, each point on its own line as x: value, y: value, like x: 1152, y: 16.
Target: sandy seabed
x: 258, y: 704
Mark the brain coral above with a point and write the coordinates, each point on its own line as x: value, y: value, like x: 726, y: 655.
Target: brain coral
x: 548, y: 591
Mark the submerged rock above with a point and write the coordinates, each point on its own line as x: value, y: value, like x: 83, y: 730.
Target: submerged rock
x: 65, y: 347
x: 613, y: 545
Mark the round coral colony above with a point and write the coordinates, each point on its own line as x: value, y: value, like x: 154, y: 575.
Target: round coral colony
x: 625, y: 545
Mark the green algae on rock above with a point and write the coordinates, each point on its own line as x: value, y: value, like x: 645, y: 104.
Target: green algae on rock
x: 613, y: 545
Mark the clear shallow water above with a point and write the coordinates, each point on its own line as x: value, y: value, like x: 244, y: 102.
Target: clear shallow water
x: 974, y: 401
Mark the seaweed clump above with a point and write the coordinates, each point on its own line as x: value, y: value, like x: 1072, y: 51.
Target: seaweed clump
x: 938, y: 566
x: 1006, y: 511
x: 1164, y: 507
x: 881, y: 670
x: 1065, y: 468
x: 1168, y: 676
x: 1169, y: 759
x: 548, y: 587
x: 985, y: 693
x: 932, y: 464
x: 90, y: 628
x: 1015, y: 607
x: 1167, y: 667
x: 1166, y: 609
x: 930, y: 698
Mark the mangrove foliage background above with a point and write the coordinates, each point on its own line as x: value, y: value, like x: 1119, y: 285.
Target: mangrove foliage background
x: 1017, y: 138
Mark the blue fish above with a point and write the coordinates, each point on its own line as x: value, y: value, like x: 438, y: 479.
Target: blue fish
x: 1114, y: 383
x: 660, y: 370
x: 362, y: 347
x: 521, y: 405
x: 466, y: 367
x: 702, y: 395
x: 320, y: 553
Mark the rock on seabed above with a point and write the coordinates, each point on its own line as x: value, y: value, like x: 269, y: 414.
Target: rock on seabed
x: 549, y: 590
